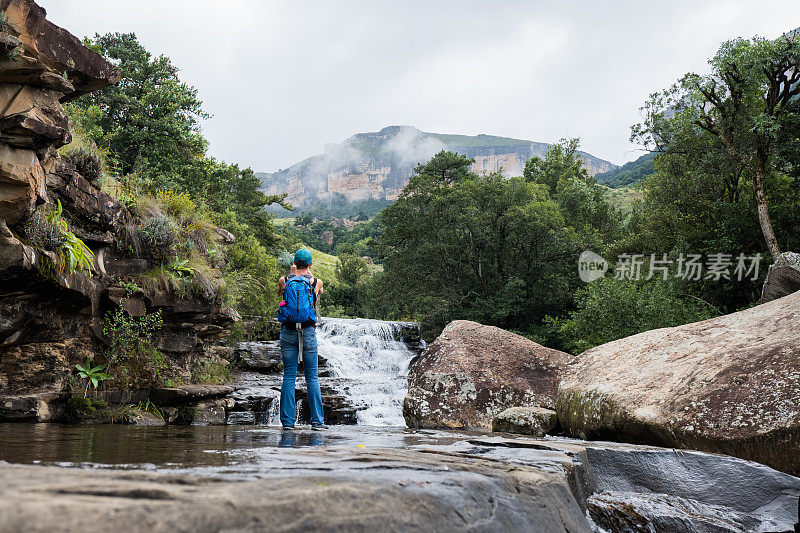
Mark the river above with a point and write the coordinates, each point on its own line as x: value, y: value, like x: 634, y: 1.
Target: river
x: 617, y: 487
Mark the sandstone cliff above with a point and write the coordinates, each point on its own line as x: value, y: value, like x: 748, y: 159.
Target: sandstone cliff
x: 52, y: 313
x: 378, y: 165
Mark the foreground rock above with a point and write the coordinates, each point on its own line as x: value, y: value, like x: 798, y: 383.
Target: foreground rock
x: 472, y: 372
x: 535, y: 421
x: 730, y: 384
x: 783, y: 277
x: 389, y: 490
x: 428, y: 480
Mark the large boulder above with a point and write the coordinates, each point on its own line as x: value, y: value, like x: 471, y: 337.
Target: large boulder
x: 729, y: 384
x: 472, y: 372
x: 783, y: 277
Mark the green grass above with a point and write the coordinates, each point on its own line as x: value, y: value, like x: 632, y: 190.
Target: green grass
x: 474, y: 140
x: 623, y: 198
x: 324, y: 266
x: 289, y: 221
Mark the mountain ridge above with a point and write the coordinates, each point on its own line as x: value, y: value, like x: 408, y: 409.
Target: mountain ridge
x: 377, y: 165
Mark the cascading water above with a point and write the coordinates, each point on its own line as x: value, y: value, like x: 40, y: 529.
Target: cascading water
x: 372, y: 362
x: 363, y: 369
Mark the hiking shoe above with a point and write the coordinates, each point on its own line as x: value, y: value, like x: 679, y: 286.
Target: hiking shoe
x: 288, y: 428
x: 319, y: 427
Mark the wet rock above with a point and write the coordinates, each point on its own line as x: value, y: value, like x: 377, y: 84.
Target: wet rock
x: 121, y: 267
x: 239, y: 418
x: 95, y: 208
x: 22, y: 183
x: 14, y: 255
x: 211, y: 412
x: 535, y: 421
x: 471, y: 373
x: 42, y: 407
x: 49, y: 317
x: 783, y: 277
x: 261, y: 356
x: 144, y: 418
x: 729, y: 384
x: 649, y: 489
x: 381, y: 490
x: 188, y: 393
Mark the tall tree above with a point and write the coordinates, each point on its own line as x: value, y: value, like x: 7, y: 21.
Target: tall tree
x: 741, y: 106
x: 150, y: 119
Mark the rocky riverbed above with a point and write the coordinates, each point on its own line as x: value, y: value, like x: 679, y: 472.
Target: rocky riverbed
x: 362, y: 478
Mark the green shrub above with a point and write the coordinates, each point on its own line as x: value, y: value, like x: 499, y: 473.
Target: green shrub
x: 93, y: 375
x: 610, y: 309
x: 212, y: 373
x: 157, y: 237
x: 87, y: 163
x: 350, y: 269
x: 51, y: 232
x: 42, y: 233
x: 133, y: 360
x: 81, y: 409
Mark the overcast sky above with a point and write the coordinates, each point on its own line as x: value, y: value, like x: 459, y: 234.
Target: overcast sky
x: 281, y: 79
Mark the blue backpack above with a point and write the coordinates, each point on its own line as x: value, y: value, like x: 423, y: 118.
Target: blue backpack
x: 297, y: 306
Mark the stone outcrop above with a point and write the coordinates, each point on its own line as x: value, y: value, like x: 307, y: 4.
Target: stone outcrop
x: 51, y: 319
x: 536, y: 421
x: 783, y: 277
x: 378, y: 165
x: 472, y: 372
x: 729, y: 384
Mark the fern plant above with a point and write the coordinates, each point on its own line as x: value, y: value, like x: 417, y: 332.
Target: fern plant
x: 76, y: 254
x: 181, y: 268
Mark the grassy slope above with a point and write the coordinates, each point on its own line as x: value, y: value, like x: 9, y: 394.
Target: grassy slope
x: 623, y: 198
x: 324, y: 266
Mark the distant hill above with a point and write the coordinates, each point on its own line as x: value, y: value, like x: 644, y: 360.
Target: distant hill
x: 628, y: 174
x: 377, y: 165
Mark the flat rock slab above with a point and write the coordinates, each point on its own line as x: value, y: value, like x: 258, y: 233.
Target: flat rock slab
x: 382, y: 490
x: 188, y: 393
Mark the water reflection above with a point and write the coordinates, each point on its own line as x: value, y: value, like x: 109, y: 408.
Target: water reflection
x: 291, y: 439
x: 188, y: 446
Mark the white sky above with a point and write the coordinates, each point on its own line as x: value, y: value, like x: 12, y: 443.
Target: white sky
x: 281, y: 79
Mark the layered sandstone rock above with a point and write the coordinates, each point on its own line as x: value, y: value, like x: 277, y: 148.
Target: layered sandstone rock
x: 51, y: 319
x: 472, y: 372
x: 729, y: 384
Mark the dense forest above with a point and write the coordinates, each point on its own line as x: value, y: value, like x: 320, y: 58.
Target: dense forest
x: 719, y: 182
x: 628, y: 174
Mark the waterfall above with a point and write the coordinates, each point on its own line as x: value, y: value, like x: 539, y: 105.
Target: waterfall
x: 363, y: 370
x: 371, y: 362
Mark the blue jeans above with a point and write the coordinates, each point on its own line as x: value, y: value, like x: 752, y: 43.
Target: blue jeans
x: 289, y: 350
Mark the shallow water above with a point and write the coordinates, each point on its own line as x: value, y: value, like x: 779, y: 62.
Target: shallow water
x: 181, y: 447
